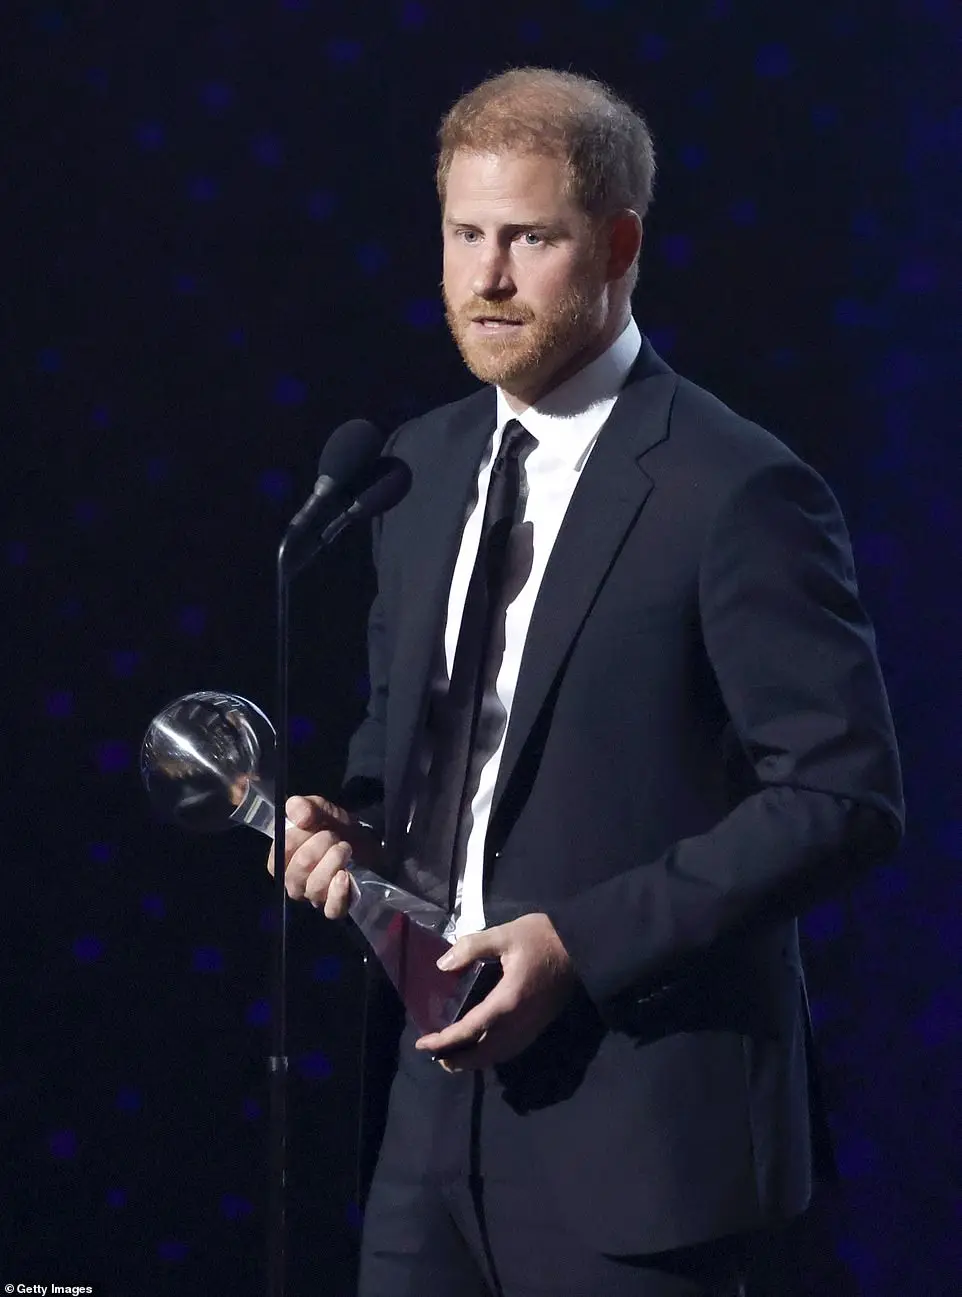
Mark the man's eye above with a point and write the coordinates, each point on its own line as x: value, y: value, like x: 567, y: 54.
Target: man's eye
x: 532, y: 240
x: 467, y: 236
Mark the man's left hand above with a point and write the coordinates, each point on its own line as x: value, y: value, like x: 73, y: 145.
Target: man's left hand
x: 537, y: 981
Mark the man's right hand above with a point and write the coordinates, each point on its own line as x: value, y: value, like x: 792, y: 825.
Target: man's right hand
x: 317, y: 851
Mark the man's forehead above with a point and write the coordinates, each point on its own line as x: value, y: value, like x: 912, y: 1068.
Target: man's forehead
x: 486, y: 163
x: 523, y: 179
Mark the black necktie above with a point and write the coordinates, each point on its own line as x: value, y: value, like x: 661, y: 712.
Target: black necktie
x: 432, y: 874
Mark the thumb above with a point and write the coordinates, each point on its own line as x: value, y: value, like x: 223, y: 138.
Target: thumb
x: 478, y: 945
x: 300, y: 812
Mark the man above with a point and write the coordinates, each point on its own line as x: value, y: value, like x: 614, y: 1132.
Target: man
x: 671, y: 736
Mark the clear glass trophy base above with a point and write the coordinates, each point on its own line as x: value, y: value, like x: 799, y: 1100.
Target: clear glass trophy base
x: 207, y: 763
x: 407, y: 934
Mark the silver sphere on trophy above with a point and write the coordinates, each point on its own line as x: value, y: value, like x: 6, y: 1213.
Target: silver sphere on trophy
x: 207, y: 762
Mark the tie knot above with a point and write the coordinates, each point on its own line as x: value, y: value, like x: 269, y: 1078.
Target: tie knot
x: 516, y: 438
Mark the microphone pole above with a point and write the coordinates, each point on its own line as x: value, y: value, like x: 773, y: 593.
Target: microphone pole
x: 277, y: 1064
x: 349, y: 450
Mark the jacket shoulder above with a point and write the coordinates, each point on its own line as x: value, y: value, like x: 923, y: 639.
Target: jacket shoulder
x: 414, y: 432
x: 734, y: 445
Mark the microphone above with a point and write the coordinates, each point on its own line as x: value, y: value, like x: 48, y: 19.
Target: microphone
x: 348, y: 451
x: 384, y: 486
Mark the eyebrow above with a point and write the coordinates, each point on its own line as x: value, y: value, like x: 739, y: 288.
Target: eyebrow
x: 515, y: 227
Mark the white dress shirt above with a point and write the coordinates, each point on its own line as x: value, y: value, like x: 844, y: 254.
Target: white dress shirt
x: 565, y: 426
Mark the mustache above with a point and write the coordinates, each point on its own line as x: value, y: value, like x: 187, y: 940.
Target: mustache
x: 514, y: 312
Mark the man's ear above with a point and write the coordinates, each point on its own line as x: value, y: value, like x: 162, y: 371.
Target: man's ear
x: 625, y: 235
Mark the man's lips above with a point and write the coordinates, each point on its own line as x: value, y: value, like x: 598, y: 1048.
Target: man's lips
x: 495, y: 322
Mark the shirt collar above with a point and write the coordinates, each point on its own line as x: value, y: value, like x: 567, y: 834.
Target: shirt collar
x: 570, y: 417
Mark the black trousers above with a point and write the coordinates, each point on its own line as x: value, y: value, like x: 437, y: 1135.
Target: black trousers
x: 458, y: 1208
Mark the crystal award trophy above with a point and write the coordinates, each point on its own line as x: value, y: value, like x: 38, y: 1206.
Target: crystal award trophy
x: 207, y: 764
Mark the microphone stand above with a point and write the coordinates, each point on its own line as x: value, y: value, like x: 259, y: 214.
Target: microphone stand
x: 389, y: 481
x: 278, y: 1062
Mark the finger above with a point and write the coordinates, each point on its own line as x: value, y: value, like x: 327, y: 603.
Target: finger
x: 468, y: 1030
x: 318, y: 883
x: 300, y: 812
x: 305, y: 860
x: 458, y: 1036
x: 313, y: 812
x: 294, y: 839
x: 487, y: 1053
x: 331, y: 864
x: 461, y: 955
x: 339, y: 891
x: 490, y: 944
x: 315, y: 844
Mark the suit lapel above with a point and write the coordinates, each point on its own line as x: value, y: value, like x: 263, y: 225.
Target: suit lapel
x: 609, y: 496
x: 430, y: 555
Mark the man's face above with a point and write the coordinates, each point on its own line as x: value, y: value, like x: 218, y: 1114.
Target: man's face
x: 524, y: 272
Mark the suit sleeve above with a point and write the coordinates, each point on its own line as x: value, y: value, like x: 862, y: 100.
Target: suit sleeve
x: 794, y: 657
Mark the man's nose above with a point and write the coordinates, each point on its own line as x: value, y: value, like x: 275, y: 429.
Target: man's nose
x: 492, y: 274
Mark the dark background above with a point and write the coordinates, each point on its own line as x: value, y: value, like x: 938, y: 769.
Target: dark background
x: 221, y: 242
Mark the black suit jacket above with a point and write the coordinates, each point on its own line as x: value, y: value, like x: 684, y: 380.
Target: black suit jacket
x: 699, y: 747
